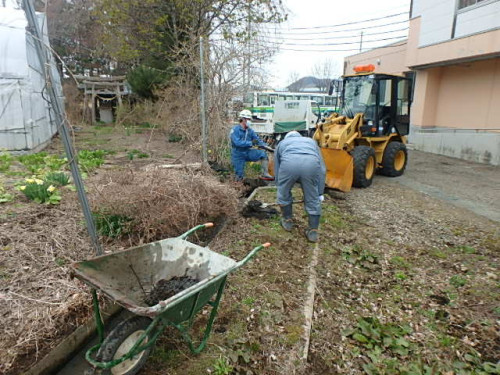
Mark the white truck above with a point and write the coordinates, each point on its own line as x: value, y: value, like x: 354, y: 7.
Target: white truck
x: 299, y: 115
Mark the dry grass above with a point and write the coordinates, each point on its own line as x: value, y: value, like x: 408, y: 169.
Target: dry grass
x: 163, y: 203
x: 38, y: 300
x: 39, y: 303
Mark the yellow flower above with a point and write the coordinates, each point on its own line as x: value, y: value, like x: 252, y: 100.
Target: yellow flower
x: 30, y: 180
x: 209, y: 151
x: 38, y: 181
x: 51, y: 188
x: 22, y: 187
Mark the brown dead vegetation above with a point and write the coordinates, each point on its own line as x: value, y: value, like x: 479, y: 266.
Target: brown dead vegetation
x: 39, y: 303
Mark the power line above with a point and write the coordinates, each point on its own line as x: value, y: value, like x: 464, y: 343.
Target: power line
x: 349, y: 23
x: 270, y: 42
x: 340, y: 50
x: 346, y: 30
x: 333, y: 44
x: 339, y: 37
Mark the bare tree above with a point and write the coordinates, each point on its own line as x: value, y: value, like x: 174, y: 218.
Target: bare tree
x: 296, y: 83
x: 324, y: 72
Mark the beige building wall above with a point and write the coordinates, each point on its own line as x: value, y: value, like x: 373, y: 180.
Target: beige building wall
x: 463, y: 96
x: 476, y: 47
x: 389, y: 59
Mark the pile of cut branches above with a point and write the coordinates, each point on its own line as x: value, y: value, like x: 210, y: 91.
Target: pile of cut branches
x: 161, y: 203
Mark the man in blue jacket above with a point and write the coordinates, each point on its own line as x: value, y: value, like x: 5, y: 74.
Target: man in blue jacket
x: 242, y: 140
x: 298, y: 159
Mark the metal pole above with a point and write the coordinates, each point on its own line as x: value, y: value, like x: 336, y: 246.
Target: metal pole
x: 361, y: 42
x: 204, y: 152
x: 61, y: 122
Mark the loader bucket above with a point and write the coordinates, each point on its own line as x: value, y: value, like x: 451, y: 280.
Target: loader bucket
x: 339, y: 169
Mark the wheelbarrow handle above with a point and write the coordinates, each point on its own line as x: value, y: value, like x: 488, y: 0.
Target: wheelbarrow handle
x: 250, y: 255
x: 192, y: 230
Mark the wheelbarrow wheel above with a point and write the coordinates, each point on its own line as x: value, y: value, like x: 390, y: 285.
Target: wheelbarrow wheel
x: 119, y: 341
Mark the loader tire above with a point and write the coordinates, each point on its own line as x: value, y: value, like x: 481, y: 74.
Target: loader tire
x: 364, y: 166
x: 119, y: 341
x: 394, y: 159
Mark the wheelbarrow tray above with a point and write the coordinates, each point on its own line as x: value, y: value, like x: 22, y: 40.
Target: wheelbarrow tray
x: 127, y: 276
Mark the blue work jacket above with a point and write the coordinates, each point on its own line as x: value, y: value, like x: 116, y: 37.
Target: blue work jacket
x: 244, y: 139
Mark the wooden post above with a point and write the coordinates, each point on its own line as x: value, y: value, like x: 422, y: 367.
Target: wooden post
x: 93, y: 105
x: 85, y: 104
x: 118, y: 94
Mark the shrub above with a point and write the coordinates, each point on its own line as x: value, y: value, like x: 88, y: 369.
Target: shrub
x: 144, y: 80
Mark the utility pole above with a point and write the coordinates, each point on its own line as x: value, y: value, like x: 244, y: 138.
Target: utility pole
x: 248, y: 61
x: 361, y: 42
x: 204, y: 152
x: 62, y: 124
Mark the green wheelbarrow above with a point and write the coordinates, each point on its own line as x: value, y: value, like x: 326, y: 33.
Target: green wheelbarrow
x: 128, y: 276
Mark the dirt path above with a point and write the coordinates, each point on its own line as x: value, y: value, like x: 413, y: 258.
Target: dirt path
x: 409, y: 279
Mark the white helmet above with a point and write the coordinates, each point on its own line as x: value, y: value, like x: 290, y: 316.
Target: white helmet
x: 246, y: 114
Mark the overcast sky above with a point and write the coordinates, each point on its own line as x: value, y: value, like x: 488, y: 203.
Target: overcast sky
x: 317, y: 19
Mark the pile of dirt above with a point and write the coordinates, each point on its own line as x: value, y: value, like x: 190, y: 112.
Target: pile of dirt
x: 257, y: 209
x: 164, y: 289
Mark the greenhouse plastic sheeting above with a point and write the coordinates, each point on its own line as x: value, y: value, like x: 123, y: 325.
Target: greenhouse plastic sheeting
x: 26, y: 119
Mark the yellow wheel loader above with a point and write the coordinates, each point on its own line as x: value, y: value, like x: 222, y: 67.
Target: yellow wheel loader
x: 369, y: 133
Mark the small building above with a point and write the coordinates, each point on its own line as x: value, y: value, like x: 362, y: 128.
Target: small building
x: 453, y: 48
x: 101, y: 97
x: 27, y: 121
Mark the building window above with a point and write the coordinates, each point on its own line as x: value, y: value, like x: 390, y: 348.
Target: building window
x: 467, y: 3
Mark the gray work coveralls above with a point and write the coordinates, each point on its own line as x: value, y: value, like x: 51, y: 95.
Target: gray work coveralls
x: 298, y: 159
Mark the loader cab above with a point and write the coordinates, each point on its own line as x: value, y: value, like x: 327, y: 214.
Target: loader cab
x: 384, y: 99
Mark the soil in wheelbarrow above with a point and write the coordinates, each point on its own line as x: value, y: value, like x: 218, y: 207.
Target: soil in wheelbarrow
x: 164, y: 289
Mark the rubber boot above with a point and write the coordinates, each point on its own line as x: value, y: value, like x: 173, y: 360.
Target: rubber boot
x: 264, y: 166
x: 286, y: 217
x: 312, y: 231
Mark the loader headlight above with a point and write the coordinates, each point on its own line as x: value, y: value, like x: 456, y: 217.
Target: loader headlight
x: 370, y: 123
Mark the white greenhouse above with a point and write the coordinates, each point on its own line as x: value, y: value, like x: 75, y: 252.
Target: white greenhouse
x: 27, y: 122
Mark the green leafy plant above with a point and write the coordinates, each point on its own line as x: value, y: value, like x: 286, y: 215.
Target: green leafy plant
x: 174, y: 138
x: 4, y: 196
x: 249, y: 301
x: 57, y: 178
x: 54, y: 162
x: 222, y: 367
x: 400, y: 275
x: 465, y: 249
x: 90, y: 160
x: 458, y: 281
x: 136, y: 153
x: 372, y: 334
x: 33, y: 162
x: 5, y: 161
x: 399, y: 261
x: 40, y: 191
x: 110, y: 225
x: 356, y: 255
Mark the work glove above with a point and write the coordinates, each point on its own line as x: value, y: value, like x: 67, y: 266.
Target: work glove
x: 321, y: 198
